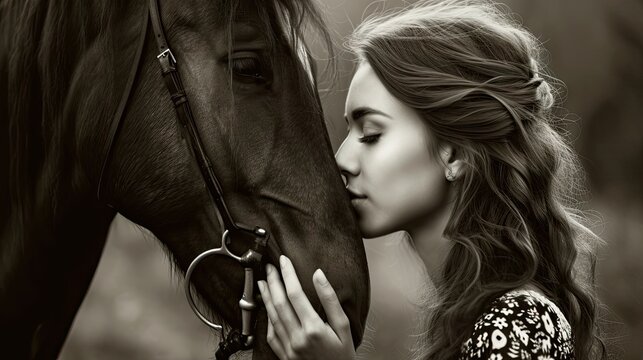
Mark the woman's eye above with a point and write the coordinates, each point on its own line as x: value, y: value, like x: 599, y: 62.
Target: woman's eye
x: 248, y: 68
x: 369, y: 139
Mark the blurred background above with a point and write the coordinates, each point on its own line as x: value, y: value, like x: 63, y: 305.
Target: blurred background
x: 136, y: 309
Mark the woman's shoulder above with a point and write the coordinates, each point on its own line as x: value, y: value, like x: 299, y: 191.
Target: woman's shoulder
x: 520, y: 324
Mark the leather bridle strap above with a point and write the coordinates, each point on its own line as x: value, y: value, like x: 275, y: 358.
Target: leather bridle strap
x: 177, y: 94
x: 184, y: 113
x: 252, y: 258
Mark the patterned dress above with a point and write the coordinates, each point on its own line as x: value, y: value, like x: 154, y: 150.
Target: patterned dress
x: 521, y: 324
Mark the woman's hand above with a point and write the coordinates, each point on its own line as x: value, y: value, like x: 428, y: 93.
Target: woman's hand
x: 295, y: 330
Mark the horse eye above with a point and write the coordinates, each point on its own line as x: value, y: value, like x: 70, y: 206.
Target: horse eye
x: 247, y: 68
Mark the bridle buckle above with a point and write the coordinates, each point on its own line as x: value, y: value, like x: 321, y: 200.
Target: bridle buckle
x: 165, y: 53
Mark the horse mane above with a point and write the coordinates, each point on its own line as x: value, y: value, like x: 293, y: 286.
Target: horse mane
x: 38, y: 60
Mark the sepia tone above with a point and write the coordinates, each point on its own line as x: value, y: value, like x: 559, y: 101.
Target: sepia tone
x: 136, y: 309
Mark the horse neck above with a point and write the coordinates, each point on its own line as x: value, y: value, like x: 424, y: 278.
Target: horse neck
x: 50, y: 247
x: 55, y: 230
x: 49, y: 257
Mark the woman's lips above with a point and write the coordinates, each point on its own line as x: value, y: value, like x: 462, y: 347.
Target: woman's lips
x: 355, y: 195
x: 357, y: 199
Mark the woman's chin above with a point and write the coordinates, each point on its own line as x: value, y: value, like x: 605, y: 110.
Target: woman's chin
x: 370, y: 230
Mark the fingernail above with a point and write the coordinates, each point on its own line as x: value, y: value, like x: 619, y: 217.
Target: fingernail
x: 284, y: 261
x: 268, y: 269
x: 261, y: 285
x: 321, y: 277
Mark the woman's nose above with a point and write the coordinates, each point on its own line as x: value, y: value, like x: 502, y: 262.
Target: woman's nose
x: 347, y: 158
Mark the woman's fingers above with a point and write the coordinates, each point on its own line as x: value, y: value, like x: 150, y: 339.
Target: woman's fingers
x: 284, y: 311
x: 305, y: 311
x: 295, y: 330
x: 336, y: 316
x: 274, y: 321
x: 274, y: 342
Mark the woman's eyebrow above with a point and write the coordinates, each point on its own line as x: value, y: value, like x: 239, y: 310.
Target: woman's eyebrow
x: 358, y: 113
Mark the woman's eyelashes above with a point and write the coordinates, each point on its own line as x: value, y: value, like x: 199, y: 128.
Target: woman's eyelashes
x: 370, y: 133
x: 369, y: 139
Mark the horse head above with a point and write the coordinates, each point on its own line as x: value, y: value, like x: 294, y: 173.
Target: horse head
x: 252, y: 94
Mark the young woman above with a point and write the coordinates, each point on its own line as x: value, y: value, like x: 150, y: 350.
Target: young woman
x: 452, y: 140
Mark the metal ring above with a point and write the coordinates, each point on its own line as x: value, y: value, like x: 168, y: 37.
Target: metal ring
x: 223, y: 250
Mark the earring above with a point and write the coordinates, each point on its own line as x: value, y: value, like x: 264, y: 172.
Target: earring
x: 450, y: 175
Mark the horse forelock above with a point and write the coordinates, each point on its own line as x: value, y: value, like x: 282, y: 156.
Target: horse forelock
x: 289, y: 24
x: 298, y: 20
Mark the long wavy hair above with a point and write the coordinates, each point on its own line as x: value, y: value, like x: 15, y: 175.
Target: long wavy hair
x: 477, y: 79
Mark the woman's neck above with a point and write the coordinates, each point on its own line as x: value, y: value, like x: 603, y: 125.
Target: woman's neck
x: 430, y: 243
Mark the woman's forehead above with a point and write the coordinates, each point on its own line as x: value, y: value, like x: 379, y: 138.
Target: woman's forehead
x: 367, y: 95
x: 366, y: 90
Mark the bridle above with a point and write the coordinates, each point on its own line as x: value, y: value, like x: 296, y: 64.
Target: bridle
x: 251, y: 260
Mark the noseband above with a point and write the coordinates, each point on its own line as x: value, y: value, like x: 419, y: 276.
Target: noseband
x: 251, y: 260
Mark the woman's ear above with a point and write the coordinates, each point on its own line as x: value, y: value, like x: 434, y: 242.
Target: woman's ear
x: 453, y: 164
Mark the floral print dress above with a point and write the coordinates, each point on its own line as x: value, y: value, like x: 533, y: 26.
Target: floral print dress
x: 521, y: 324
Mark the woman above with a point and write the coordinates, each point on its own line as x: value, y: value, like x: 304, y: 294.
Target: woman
x: 451, y: 139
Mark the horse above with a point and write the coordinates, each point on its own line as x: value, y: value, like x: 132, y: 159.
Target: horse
x: 89, y: 131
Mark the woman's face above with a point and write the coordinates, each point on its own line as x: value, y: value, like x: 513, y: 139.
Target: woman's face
x: 386, y: 161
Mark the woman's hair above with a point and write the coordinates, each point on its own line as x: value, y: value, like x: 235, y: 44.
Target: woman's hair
x: 476, y: 78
